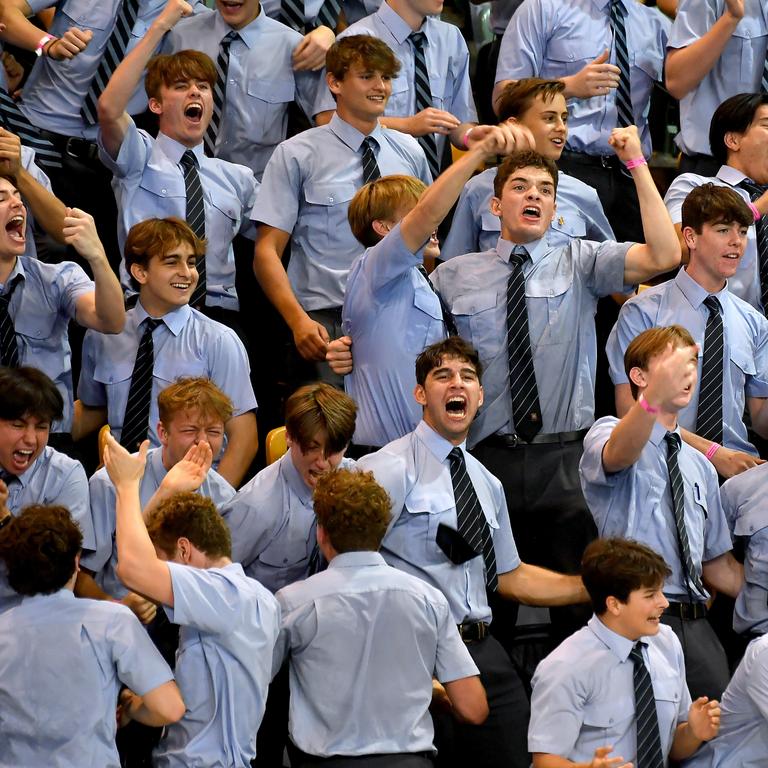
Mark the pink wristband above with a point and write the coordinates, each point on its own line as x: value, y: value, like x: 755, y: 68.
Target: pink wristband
x: 712, y: 450
x: 465, y: 137
x: 646, y: 406
x: 638, y: 161
x: 755, y: 212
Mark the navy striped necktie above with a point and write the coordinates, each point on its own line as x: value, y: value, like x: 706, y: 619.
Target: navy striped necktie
x: 9, y: 349
x: 761, y: 235
x: 219, y: 92
x: 371, y: 170
x: 424, y: 98
x: 709, y: 413
x: 623, y: 92
x: 649, y: 754
x: 195, y: 216
x: 15, y: 121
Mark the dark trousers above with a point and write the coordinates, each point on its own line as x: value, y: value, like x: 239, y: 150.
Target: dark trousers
x: 272, y: 736
x: 704, y: 165
x: 302, y: 371
x: 550, y: 520
x: 501, y: 741
x: 706, y: 666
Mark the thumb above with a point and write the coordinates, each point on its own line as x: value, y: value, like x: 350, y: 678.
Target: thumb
x: 346, y: 340
x: 602, y: 58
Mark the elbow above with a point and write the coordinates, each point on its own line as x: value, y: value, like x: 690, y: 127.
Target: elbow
x: 474, y: 712
x: 175, y: 709
x: 107, y: 112
x: 674, y: 86
x: 126, y: 571
x: 114, y: 324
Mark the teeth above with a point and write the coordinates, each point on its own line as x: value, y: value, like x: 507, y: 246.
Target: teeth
x: 183, y: 286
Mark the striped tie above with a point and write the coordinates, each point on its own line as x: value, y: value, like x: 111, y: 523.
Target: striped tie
x: 291, y: 14
x: 9, y: 350
x: 112, y: 56
x: 623, y: 92
x: 219, y: 92
x: 690, y: 573
x: 526, y: 410
x: 448, y: 321
x: 15, y: 121
x: 424, y: 98
x: 136, y: 419
x: 761, y: 232
x: 471, y: 522
x: 370, y: 166
x: 764, y: 78
x: 649, y: 753
x: 195, y: 217
x: 329, y: 13
x: 709, y: 415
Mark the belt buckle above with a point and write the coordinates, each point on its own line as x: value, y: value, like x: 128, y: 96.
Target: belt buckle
x: 605, y: 161
x: 86, y: 148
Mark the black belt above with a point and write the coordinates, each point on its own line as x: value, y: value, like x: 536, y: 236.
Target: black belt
x: 611, y: 162
x: 515, y: 441
x: 72, y: 146
x: 474, y: 631
x: 686, y: 611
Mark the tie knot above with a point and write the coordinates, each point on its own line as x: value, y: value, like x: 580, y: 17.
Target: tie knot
x: 713, y: 304
x: 617, y: 8
x: 518, y: 256
x: 369, y: 144
x: 230, y: 38
x: 188, y: 160
x: 755, y: 190
x: 456, y: 456
x: 636, y: 654
x: 417, y: 39
x: 150, y: 323
x: 673, y: 441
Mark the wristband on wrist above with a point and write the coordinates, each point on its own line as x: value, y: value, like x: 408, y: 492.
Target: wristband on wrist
x: 635, y: 163
x: 646, y: 406
x: 465, y: 137
x: 44, y: 40
x: 755, y: 212
x: 712, y: 450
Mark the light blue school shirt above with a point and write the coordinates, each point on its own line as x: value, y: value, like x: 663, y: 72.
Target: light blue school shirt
x: 552, y: 39
x: 745, y: 341
x: 636, y: 503
x: 447, y: 59
x: 392, y: 313
x: 186, y: 343
x: 55, y: 90
x: 103, y: 500
x: 272, y: 522
x: 562, y: 286
x: 415, y: 472
x: 364, y: 641
x: 306, y: 190
x: 584, y: 696
x: 474, y: 228
x: 739, y: 68
x: 62, y: 662
x: 31, y: 167
x: 353, y: 9
x: 43, y: 303
x: 746, y: 282
x: 229, y: 626
x: 261, y: 83
x: 746, y: 510
x: 148, y: 182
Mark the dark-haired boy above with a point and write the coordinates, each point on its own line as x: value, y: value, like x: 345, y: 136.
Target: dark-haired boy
x: 363, y: 641
x: 171, y: 175
x: 450, y: 527
x: 734, y: 372
x: 539, y: 106
x: 229, y: 623
x: 308, y: 184
x: 615, y: 690
x: 163, y: 331
x: 30, y: 470
x: 642, y: 481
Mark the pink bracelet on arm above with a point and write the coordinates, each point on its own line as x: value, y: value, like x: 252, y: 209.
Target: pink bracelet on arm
x: 712, y: 450
x: 646, y: 406
x: 635, y: 163
x: 755, y: 212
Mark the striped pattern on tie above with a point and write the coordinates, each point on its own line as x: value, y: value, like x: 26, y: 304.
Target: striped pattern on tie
x: 15, y: 121
x: 764, y: 78
x: 9, y: 348
x: 649, y: 754
x: 371, y: 170
x: 761, y: 232
x: 677, y: 490
x: 709, y: 415
x: 219, y: 92
x: 448, y: 321
x: 623, y: 92
x: 329, y: 13
x: 291, y: 14
x: 136, y: 418
x: 526, y: 409
x: 472, y: 525
x: 113, y: 54
x: 424, y: 98
x: 195, y: 216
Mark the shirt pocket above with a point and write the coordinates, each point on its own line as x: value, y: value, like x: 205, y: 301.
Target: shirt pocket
x: 90, y: 15
x: 566, y: 56
x: 744, y: 53
x: 555, y: 293
x: 330, y: 202
x: 267, y: 108
x: 222, y: 221
x: 425, y: 321
x: 170, y: 368
x: 399, y: 102
x: 164, y: 186
x: 696, y: 519
x: 36, y: 324
x: 565, y: 228
x: 667, y: 692
x: 650, y: 62
x: 606, y: 718
x: 426, y: 508
x: 483, y: 316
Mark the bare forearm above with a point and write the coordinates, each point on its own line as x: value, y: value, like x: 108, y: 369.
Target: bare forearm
x: 402, y: 124
x: 684, y: 743
x: 110, y: 307
x: 242, y: 444
x: 725, y: 574
x: 273, y: 280
x: 48, y: 210
x: 134, y: 547
x: 86, y: 586
x: 628, y: 439
x: 19, y: 30
x: 532, y: 585
x: 86, y: 420
x: 658, y: 229
x: 457, y: 135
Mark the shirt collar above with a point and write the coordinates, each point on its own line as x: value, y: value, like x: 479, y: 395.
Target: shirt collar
x: 437, y: 444
x: 619, y: 645
x: 730, y: 175
x: 175, y: 320
x: 174, y: 150
x: 536, y: 249
x: 18, y: 269
x: 659, y: 431
x: 395, y: 23
x: 350, y: 135
x: 294, y: 479
x: 696, y: 293
x: 248, y: 34
x: 356, y: 559
x: 155, y: 465
x: 602, y: 4
x: 63, y: 595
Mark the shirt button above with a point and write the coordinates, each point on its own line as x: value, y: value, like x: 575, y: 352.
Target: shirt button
x: 330, y: 199
x: 285, y: 561
x: 163, y: 191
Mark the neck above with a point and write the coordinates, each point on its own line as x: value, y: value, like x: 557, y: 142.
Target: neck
x: 614, y: 625
x: 218, y: 562
x: 7, y: 264
x: 401, y: 7
x: 710, y: 283
x: 735, y: 162
x: 363, y: 124
x: 154, y: 307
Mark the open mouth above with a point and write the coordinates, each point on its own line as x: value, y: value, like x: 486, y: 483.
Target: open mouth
x: 181, y: 286
x: 531, y: 212
x: 194, y: 112
x: 732, y: 256
x: 22, y: 458
x: 557, y: 141
x: 456, y: 407
x: 231, y: 6
x: 15, y: 228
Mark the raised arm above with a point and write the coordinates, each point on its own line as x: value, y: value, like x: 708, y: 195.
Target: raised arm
x: 661, y: 250
x: 113, y: 119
